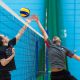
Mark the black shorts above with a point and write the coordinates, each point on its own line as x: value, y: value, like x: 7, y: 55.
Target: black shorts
x: 5, y: 75
x: 62, y: 75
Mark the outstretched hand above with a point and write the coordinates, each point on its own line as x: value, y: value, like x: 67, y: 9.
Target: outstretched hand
x: 29, y: 20
x: 34, y: 17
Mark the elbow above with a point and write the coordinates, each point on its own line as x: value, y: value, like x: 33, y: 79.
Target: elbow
x: 3, y: 62
x: 45, y: 38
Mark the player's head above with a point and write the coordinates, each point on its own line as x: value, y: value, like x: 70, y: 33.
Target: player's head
x: 3, y: 40
x: 56, y: 40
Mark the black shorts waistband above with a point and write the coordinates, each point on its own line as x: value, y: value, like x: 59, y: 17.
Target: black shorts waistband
x: 61, y: 72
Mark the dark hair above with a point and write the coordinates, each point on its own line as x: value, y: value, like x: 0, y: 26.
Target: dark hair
x: 1, y: 43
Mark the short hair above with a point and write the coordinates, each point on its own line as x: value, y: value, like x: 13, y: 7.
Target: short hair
x: 56, y: 39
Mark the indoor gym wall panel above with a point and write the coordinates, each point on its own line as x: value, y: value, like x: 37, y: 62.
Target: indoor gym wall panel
x: 71, y: 22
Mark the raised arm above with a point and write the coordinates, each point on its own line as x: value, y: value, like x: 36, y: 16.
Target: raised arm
x: 41, y: 27
x: 22, y: 30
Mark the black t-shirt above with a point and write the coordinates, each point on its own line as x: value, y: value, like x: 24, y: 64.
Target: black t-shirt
x: 5, y: 52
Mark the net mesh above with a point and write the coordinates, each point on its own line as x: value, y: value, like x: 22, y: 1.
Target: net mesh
x: 26, y: 50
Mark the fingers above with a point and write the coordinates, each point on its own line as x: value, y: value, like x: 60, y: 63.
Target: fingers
x: 33, y: 17
x: 28, y: 20
x: 13, y: 51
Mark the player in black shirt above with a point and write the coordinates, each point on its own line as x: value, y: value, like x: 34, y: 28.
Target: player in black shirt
x: 7, y: 53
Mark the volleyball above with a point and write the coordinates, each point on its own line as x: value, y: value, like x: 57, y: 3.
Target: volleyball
x: 24, y: 12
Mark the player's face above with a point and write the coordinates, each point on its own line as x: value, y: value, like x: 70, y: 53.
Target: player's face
x: 59, y: 42
x: 56, y: 40
x: 5, y: 39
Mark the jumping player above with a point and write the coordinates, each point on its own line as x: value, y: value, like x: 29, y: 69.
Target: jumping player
x: 57, y: 54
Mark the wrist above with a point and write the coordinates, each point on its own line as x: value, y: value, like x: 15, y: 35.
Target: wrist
x: 13, y: 54
x: 38, y: 21
x: 24, y: 27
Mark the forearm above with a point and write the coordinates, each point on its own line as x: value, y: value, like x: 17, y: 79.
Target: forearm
x: 9, y: 59
x: 4, y: 62
x: 21, y: 31
x: 42, y: 30
x: 76, y: 57
x: 23, y: 28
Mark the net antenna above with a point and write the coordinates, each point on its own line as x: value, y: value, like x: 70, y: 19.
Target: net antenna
x: 2, y: 4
